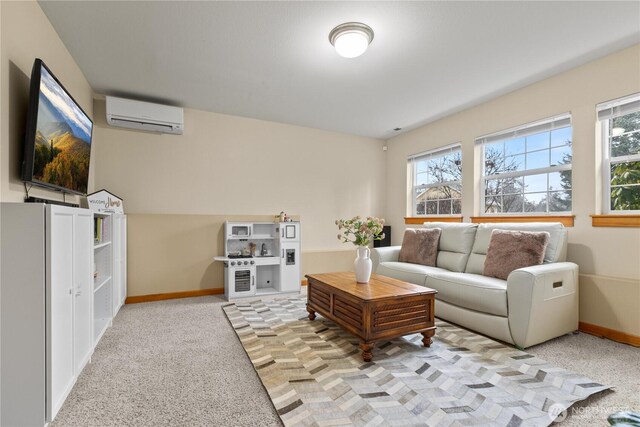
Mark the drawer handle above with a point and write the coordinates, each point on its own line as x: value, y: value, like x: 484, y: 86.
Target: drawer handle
x: 557, y: 285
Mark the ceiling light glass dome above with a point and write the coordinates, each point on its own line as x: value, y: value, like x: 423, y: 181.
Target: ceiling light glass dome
x: 351, y: 39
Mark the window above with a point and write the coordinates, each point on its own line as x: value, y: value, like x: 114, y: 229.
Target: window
x: 620, y: 122
x: 436, y: 178
x: 527, y: 170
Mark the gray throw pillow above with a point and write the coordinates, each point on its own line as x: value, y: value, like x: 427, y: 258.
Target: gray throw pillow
x: 420, y: 246
x: 510, y: 250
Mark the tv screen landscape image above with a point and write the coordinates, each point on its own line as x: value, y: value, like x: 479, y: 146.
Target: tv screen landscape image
x: 58, y: 136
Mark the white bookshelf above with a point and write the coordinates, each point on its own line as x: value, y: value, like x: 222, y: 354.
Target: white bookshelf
x: 102, y: 274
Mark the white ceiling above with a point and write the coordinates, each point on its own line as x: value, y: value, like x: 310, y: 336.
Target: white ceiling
x: 273, y: 60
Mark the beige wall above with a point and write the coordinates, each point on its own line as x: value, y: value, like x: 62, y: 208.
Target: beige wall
x: 173, y: 253
x: 608, y: 257
x: 27, y: 34
x: 222, y: 167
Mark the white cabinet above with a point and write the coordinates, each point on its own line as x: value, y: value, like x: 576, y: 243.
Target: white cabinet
x: 289, y: 266
x: 119, y: 242
x: 289, y: 231
x: 239, y: 230
x: 45, y: 311
x: 241, y: 281
x: 261, y: 258
x: 83, y: 292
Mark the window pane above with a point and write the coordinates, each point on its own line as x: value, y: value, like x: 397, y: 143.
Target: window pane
x: 444, y: 207
x: 561, y: 137
x: 432, y: 166
x: 421, y: 166
x: 512, y: 164
x: 625, y: 198
x: 432, y: 207
x: 535, y: 183
x: 457, y: 206
x: 512, y: 203
x: 420, y: 208
x: 625, y: 173
x: 492, y: 204
x: 536, y: 202
x: 514, y: 146
x: 512, y: 185
x: 538, y: 159
x: 538, y: 141
x: 492, y: 186
x: 494, y: 149
x: 629, y: 122
x: 560, y: 201
x: 561, y: 155
x: 560, y: 180
x: 625, y: 145
x: 421, y: 179
x: 448, y: 192
x: 448, y: 169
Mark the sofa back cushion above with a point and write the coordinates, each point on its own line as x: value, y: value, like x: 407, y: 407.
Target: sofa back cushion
x: 420, y: 246
x: 555, y: 251
x: 510, y: 250
x: 456, y: 241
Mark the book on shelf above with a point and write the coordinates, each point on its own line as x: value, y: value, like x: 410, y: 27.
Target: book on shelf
x: 98, y: 229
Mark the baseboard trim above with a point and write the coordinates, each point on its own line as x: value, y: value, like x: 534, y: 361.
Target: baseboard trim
x: 173, y: 295
x: 612, y: 334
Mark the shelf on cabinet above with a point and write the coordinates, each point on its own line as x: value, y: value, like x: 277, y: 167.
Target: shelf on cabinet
x: 101, y: 245
x: 100, y: 282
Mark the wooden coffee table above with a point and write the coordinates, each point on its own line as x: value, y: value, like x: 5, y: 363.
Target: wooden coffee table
x: 382, y: 309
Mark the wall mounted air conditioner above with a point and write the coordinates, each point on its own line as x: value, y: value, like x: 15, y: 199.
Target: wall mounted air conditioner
x: 147, y: 116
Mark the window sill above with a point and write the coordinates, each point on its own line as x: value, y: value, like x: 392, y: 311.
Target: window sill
x: 631, y: 220
x: 423, y: 219
x: 566, y: 220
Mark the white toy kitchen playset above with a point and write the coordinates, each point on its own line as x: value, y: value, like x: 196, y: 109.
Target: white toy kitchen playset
x: 261, y: 258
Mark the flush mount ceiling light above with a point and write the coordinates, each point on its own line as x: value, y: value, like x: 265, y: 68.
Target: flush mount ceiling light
x: 351, y: 39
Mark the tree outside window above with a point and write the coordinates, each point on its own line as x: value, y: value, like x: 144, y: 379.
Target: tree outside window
x: 437, y: 182
x: 623, y: 140
x: 527, y: 170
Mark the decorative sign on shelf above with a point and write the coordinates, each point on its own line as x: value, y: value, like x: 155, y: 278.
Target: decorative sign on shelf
x: 103, y: 201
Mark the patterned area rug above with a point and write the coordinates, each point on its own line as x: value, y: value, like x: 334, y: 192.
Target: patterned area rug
x: 315, y: 376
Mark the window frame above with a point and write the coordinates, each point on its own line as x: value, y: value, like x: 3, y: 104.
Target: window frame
x: 437, y: 152
x: 546, y: 125
x: 607, y: 160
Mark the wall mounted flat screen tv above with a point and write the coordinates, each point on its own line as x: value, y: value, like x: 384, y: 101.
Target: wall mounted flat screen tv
x: 57, y: 142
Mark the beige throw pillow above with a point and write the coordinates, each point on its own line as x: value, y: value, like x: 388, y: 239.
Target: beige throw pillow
x: 420, y: 246
x: 510, y: 250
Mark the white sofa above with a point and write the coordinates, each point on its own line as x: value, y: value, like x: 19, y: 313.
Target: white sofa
x: 533, y: 305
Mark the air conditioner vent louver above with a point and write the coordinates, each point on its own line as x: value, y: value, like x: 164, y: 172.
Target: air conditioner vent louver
x: 144, y: 116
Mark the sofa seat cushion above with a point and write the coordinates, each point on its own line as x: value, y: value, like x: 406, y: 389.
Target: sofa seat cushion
x: 472, y: 291
x: 412, y: 273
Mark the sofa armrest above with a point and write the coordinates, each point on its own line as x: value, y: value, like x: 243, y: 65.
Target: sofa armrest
x: 543, y: 302
x: 386, y: 254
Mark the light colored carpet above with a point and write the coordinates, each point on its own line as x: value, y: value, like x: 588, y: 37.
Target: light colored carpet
x: 179, y: 363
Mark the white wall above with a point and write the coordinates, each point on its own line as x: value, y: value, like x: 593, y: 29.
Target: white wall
x: 608, y: 257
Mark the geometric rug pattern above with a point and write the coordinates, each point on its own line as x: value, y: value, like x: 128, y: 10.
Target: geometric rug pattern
x: 315, y: 376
